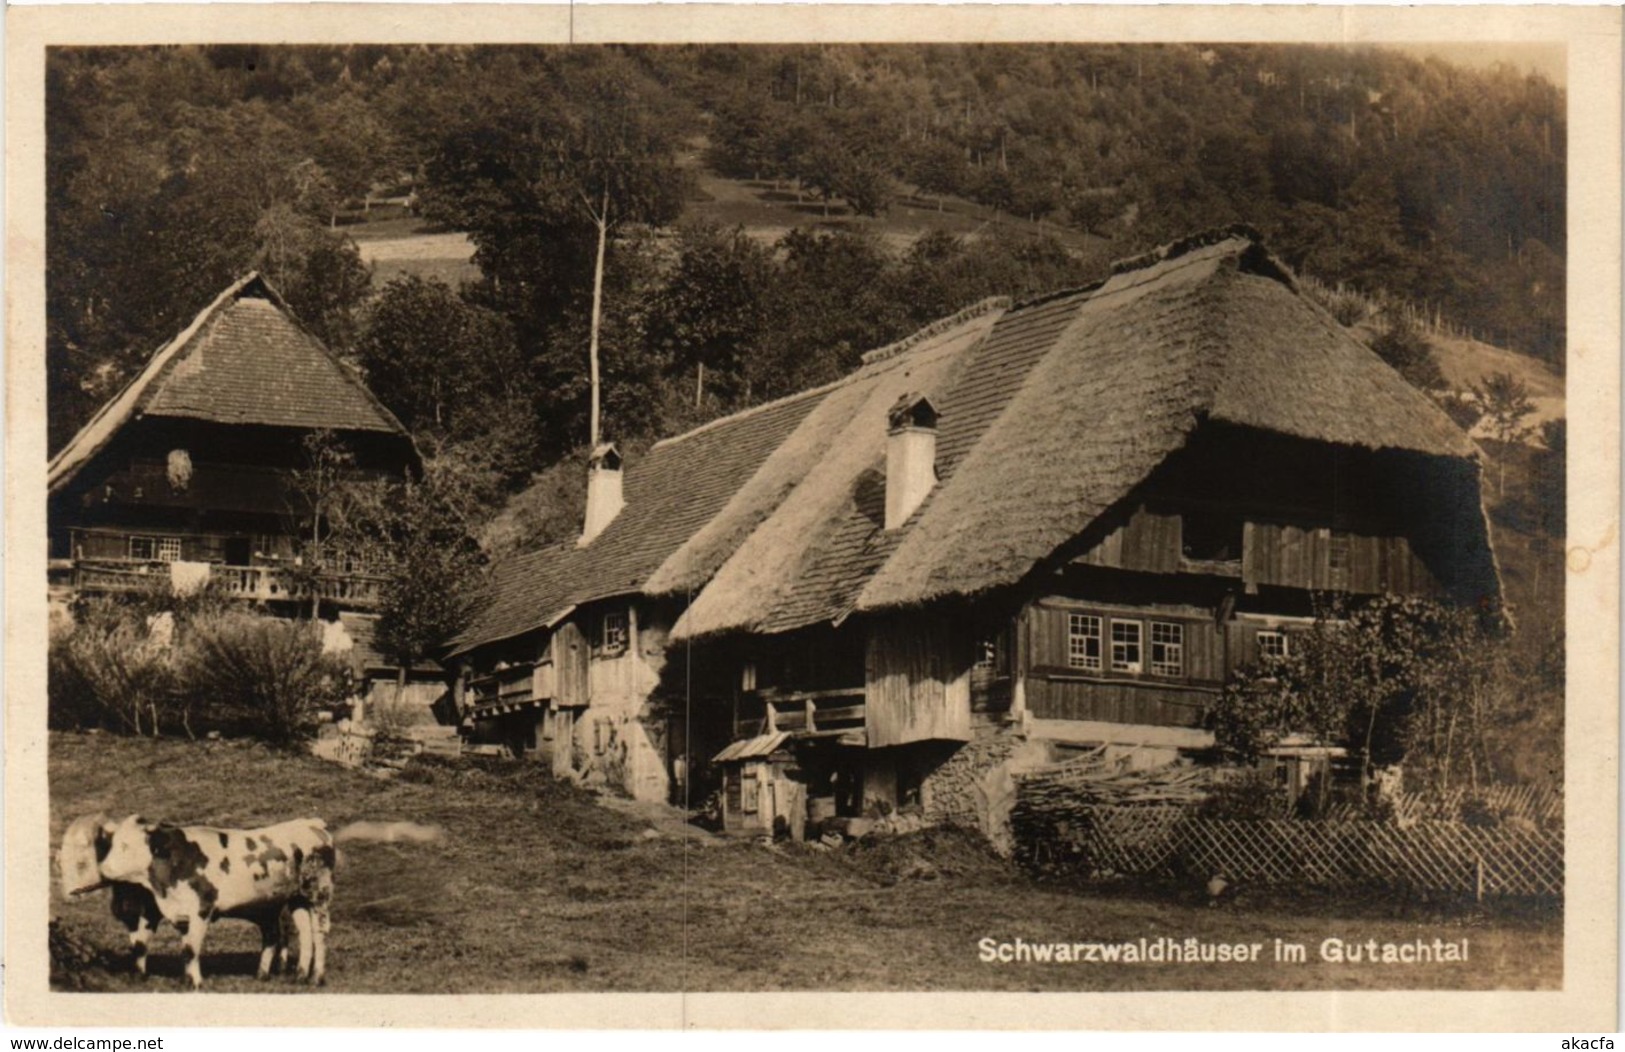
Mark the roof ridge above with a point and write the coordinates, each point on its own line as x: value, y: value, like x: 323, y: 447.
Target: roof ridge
x: 879, y: 356
x: 1190, y: 243
x: 936, y: 328
x: 122, y: 405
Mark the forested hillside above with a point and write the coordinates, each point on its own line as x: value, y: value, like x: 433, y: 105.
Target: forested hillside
x: 173, y: 170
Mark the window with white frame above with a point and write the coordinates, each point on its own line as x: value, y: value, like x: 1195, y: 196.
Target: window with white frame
x: 1167, y: 648
x: 1271, y: 645
x: 612, y: 635
x: 1126, y: 641
x: 1083, y: 641
x: 167, y: 549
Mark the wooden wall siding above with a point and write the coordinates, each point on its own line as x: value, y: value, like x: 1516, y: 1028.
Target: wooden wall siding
x: 1301, y: 557
x: 918, y: 682
x: 1148, y: 542
x: 1116, y: 702
x: 216, y: 487
x: 570, y: 666
x: 1047, y: 639
x: 543, y: 681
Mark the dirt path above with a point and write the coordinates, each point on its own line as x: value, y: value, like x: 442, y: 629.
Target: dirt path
x: 664, y: 819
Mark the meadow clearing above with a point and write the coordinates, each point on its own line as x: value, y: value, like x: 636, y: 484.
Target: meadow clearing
x: 536, y: 886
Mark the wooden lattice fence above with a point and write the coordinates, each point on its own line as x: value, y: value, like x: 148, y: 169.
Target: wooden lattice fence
x: 1426, y: 855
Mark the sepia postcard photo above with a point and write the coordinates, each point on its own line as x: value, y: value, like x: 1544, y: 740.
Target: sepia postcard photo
x: 1000, y: 517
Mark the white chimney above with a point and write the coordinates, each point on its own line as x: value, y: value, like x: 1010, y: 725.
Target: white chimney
x: 604, y: 499
x: 911, y: 456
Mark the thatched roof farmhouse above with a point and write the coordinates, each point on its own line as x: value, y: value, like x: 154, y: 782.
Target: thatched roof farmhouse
x: 190, y: 466
x: 1028, y: 527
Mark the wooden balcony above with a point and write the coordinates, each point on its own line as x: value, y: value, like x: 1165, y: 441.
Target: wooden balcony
x: 806, y: 713
x: 252, y: 583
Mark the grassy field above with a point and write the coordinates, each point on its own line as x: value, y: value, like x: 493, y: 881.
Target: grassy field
x: 536, y: 886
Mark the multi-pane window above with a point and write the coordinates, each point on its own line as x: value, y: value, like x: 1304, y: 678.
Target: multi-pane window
x: 1083, y: 641
x: 613, y: 635
x: 1167, y: 648
x: 1126, y: 646
x: 167, y: 549
x: 1271, y: 645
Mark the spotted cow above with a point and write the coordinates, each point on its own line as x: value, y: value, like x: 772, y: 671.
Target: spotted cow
x: 194, y: 875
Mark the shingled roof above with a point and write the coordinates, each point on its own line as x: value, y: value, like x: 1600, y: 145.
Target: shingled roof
x: 244, y: 359
x: 1051, y: 412
x: 671, y: 492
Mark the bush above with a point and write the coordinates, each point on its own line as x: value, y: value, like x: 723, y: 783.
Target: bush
x: 109, y: 671
x: 1249, y: 794
x: 266, y: 676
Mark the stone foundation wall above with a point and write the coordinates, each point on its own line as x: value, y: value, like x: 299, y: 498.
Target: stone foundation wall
x: 975, y: 787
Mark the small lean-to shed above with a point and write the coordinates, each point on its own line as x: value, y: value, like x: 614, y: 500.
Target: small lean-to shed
x: 761, y: 793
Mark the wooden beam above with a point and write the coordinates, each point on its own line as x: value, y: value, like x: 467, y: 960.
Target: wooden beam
x: 1100, y: 731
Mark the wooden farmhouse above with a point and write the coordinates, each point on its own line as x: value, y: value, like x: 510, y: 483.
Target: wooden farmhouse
x: 187, y: 475
x: 1023, y: 530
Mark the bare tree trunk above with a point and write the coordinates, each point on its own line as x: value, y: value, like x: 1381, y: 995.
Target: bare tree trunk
x: 602, y: 220
x: 699, y: 384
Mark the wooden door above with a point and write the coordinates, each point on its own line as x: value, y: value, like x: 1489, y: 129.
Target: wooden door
x: 570, y: 659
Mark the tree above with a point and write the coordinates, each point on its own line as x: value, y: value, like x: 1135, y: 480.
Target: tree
x: 441, y: 364
x: 711, y: 311
x: 1401, y: 346
x: 1392, y: 679
x: 1506, y: 403
x: 424, y: 550
x: 567, y: 150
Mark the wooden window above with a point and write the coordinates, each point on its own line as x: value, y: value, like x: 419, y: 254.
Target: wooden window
x: 747, y: 677
x: 1271, y: 645
x: 1126, y: 636
x: 167, y: 549
x: 1083, y: 641
x: 750, y: 793
x: 1167, y: 648
x: 612, y: 635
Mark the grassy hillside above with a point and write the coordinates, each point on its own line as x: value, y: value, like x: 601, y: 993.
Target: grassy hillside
x: 539, y: 887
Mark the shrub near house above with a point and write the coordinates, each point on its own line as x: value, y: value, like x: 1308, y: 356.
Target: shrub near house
x: 228, y: 671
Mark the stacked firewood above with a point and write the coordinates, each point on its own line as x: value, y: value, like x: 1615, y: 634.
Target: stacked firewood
x: 1093, y: 780
x: 1056, y: 806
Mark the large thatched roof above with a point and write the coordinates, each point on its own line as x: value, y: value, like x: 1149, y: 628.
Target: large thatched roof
x: 244, y: 359
x: 1218, y: 332
x: 1052, y: 411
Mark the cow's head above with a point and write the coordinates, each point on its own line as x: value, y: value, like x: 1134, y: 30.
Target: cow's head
x: 129, y: 853
x: 84, y: 845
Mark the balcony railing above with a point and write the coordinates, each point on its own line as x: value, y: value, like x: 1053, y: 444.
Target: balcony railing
x: 252, y: 583
x: 806, y: 713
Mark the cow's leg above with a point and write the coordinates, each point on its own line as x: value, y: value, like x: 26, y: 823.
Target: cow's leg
x: 192, y: 948
x: 303, y: 925
x: 320, y: 925
x: 284, y: 924
x: 134, y: 906
x: 270, y: 942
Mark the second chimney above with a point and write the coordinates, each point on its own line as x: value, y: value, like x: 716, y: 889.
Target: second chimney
x: 604, y: 494
x: 911, y: 456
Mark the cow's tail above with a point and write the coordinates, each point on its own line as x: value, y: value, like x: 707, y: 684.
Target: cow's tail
x: 366, y: 831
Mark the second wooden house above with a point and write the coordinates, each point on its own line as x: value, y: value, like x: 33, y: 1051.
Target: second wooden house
x: 1025, y: 530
